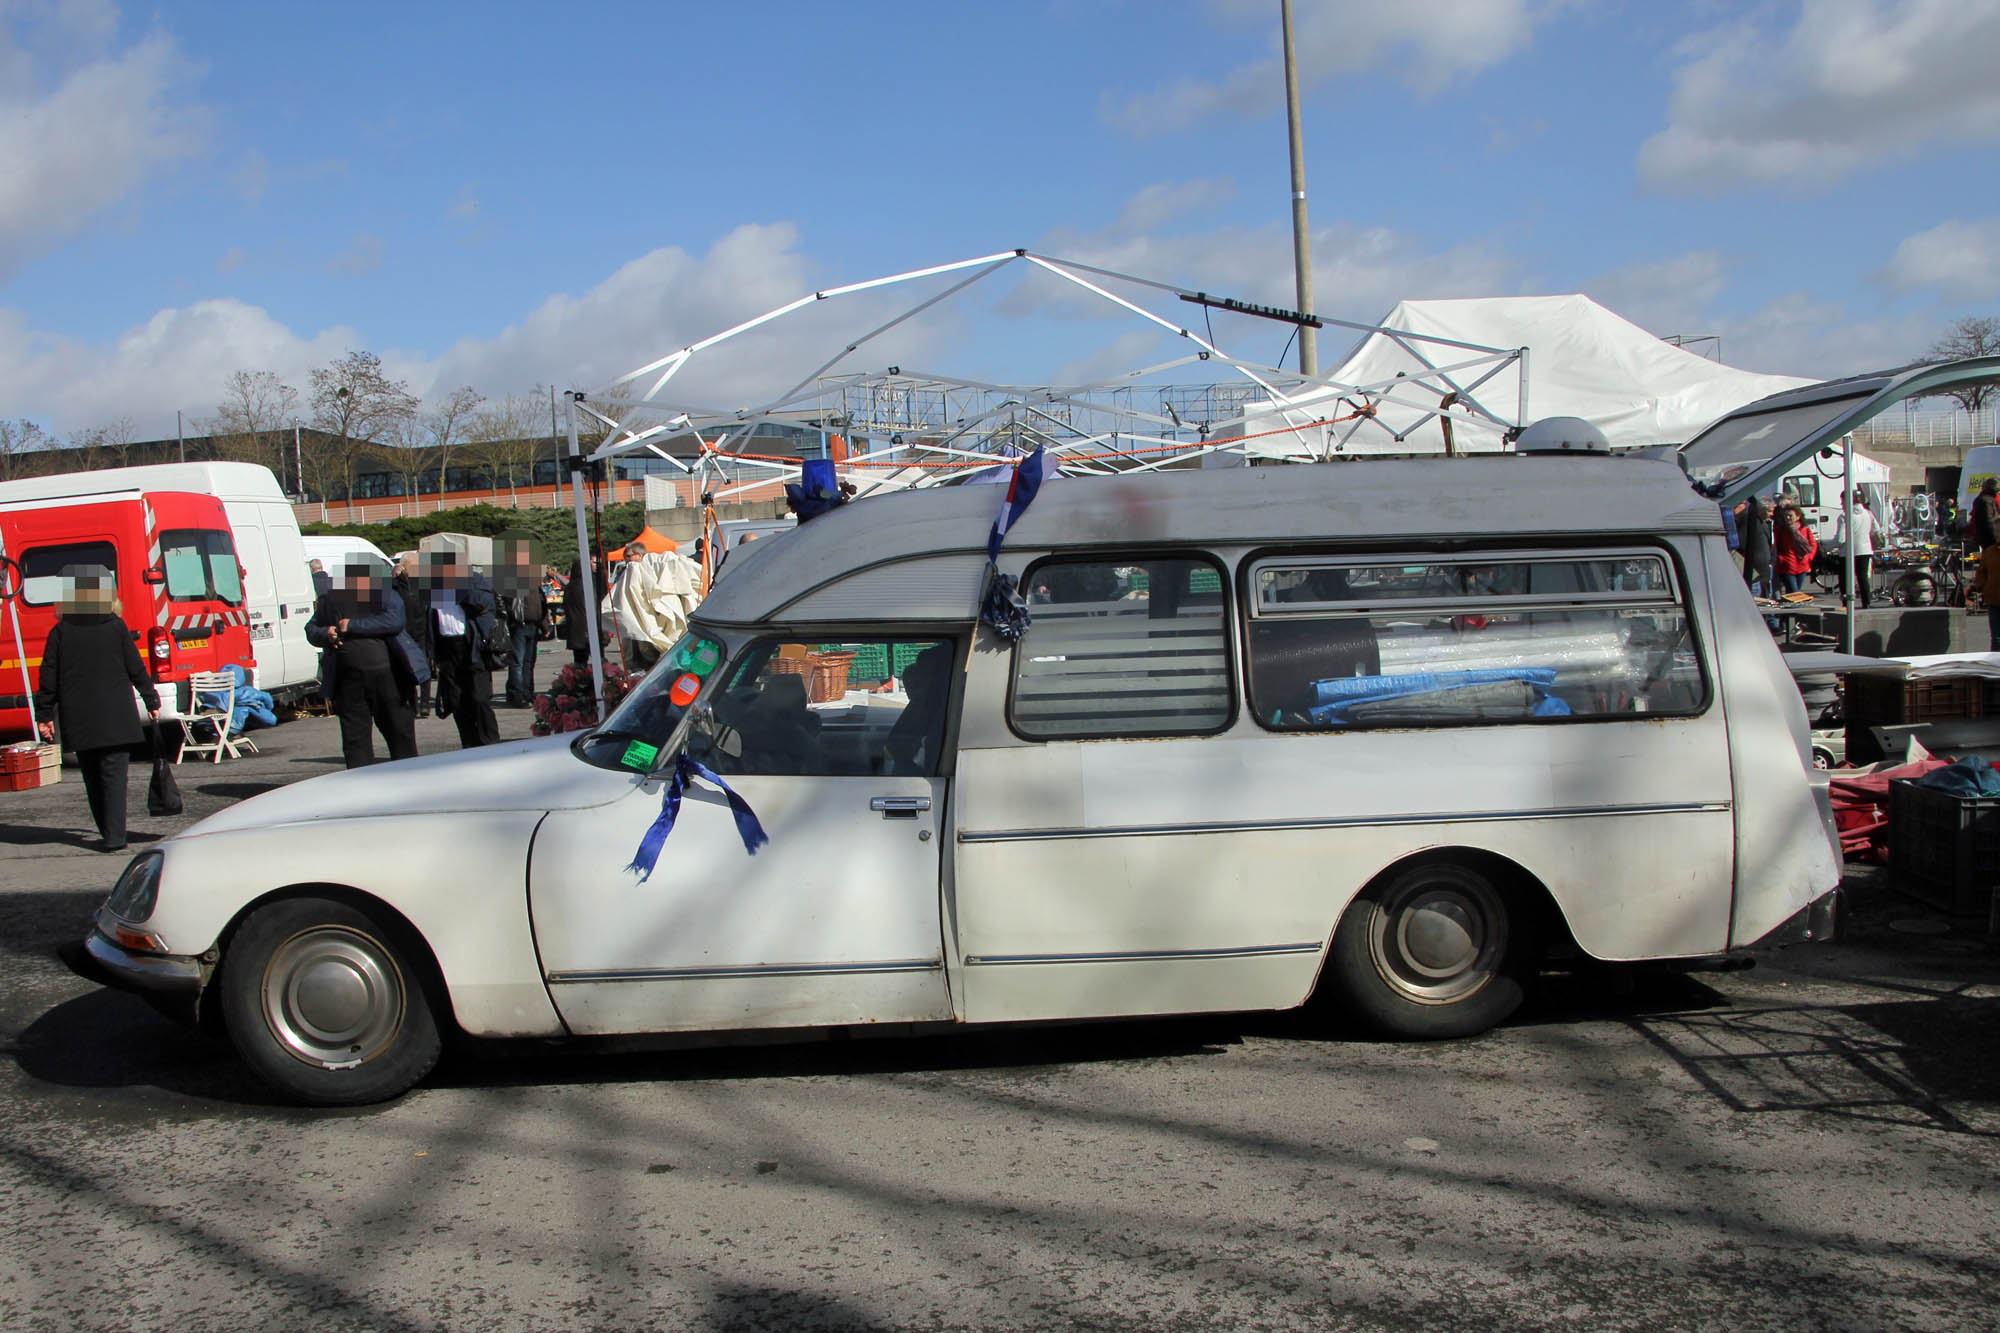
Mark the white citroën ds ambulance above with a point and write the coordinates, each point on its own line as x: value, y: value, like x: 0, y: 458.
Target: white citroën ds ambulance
x: 1382, y: 735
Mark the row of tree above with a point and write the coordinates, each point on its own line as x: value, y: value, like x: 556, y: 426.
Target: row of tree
x: 353, y: 419
x: 365, y: 421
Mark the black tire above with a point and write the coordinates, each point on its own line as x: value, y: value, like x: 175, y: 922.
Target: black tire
x: 325, y: 1005
x: 1914, y: 590
x: 1435, y: 950
x: 1822, y: 757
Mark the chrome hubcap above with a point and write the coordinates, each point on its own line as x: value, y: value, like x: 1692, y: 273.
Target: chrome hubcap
x: 1439, y: 940
x: 333, y: 996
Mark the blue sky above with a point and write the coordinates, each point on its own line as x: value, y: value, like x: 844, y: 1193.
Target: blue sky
x: 496, y: 196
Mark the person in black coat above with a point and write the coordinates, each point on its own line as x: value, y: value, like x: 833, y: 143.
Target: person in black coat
x: 1754, y: 522
x: 460, y: 613
x: 369, y: 669
x: 576, y: 616
x: 410, y: 593
x: 90, y: 667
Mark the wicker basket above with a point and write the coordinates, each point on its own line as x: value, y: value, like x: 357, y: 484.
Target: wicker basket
x: 825, y: 673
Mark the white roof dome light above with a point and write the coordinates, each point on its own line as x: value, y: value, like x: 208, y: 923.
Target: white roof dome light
x: 1562, y: 435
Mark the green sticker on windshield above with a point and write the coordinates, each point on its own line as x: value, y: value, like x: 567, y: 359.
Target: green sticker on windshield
x: 639, y: 755
x: 702, y: 656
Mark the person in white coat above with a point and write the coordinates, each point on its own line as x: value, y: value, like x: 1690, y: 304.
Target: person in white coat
x: 1863, y: 546
x: 649, y: 601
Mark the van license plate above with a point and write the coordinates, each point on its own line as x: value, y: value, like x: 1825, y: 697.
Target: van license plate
x: 185, y: 644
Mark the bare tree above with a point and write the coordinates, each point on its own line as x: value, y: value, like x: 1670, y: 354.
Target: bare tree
x: 505, y: 429
x: 1977, y: 336
x: 444, y: 422
x: 405, y: 450
x: 105, y: 446
x: 250, y: 421
x: 354, y: 399
x: 18, y: 439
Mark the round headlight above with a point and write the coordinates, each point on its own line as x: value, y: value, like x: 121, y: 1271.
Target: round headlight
x: 138, y: 889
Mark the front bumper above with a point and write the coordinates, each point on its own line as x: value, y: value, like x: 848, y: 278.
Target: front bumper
x: 171, y: 983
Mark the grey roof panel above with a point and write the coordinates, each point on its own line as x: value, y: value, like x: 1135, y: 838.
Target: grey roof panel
x: 1484, y: 496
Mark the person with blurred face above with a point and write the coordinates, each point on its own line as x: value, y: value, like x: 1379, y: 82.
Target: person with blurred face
x: 526, y: 608
x: 459, y: 613
x: 90, y: 666
x: 368, y: 666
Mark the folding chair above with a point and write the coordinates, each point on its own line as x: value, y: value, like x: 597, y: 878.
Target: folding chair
x: 212, y: 683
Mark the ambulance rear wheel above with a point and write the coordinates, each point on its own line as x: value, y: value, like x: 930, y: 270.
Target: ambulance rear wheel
x: 1431, y: 951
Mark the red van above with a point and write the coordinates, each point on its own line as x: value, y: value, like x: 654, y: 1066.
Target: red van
x: 176, y: 573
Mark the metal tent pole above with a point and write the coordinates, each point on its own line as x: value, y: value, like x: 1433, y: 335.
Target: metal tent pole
x: 21, y: 653
x: 583, y: 553
x: 1301, y: 232
x: 1847, y: 547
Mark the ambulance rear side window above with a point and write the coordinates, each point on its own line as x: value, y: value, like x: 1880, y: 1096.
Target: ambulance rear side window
x: 43, y: 568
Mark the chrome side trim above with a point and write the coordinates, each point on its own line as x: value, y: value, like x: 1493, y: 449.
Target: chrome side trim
x: 745, y: 970
x: 1351, y: 821
x: 1143, y: 955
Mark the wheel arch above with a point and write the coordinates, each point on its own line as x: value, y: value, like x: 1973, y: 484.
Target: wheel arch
x: 430, y: 973
x: 1521, y: 887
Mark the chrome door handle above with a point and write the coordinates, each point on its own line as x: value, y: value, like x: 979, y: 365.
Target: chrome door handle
x: 899, y: 807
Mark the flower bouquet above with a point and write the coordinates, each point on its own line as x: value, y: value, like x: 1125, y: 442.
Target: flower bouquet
x: 566, y: 706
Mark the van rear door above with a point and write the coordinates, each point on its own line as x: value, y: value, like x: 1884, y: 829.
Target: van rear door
x: 48, y: 543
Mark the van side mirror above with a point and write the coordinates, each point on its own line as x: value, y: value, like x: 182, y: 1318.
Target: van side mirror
x: 156, y: 575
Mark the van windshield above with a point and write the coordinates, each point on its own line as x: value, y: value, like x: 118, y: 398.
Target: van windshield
x: 641, y: 725
x: 201, y: 566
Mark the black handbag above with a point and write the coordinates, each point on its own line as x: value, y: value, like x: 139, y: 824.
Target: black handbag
x: 163, y: 794
x: 496, y: 648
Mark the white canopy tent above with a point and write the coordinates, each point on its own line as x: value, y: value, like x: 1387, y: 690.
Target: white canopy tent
x: 1576, y: 359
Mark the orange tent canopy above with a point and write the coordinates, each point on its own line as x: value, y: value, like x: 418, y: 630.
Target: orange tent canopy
x: 654, y: 542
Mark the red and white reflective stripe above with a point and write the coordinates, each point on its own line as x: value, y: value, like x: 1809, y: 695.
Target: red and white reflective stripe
x: 153, y: 562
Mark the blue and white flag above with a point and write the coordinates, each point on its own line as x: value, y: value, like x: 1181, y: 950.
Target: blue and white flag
x: 1021, y: 490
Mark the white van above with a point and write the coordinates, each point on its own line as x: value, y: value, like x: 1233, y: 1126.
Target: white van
x: 277, y: 585
x: 1388, y: 735
x: 333, y: 553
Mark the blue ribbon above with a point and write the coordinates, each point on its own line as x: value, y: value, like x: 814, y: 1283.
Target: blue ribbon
x: 687, y: 770
x: 1003, y: 609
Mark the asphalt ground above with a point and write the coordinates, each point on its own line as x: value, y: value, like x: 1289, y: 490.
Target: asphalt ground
x: 1811, y: 1144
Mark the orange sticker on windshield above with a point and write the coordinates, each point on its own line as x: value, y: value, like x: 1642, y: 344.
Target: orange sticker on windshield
x: 684, y: 690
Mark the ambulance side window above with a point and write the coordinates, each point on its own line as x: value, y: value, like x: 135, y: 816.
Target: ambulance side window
x: 43, y: 568
x: 1123, y: 647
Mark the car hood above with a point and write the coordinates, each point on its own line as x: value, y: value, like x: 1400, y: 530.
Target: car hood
x: 537, y: 774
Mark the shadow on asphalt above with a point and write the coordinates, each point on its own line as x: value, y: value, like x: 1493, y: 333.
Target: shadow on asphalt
x: 40, y: 835
x: 237, y: 791
x: 1922, y: 1062
x: 109, y: 1040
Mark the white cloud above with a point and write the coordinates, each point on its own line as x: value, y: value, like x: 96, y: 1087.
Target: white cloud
x: 362, y: 255
x: 1666, y: 296
x: 1429, y: 43
x: 1157, y: 205
x: 81, y: 126
x: 1798, y: 334
x: 175, y: 360
x: 252, y: 176
x: 1960, y: 259
x: 1851, y: 84
x: 464, y: 205
x: 653, y: 305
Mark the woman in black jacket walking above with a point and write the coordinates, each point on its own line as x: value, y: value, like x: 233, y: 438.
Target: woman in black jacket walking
x: 89, y: 669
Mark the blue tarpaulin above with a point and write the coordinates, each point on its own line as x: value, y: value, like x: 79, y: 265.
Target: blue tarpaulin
x: 1343, y: 693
